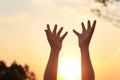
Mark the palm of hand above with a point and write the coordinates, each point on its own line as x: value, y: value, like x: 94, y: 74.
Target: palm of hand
x: 85, y: 37
x: 54, y: 38
x: 55, y: 41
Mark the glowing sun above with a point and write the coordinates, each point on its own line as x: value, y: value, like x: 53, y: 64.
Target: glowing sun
x: 70, y: 69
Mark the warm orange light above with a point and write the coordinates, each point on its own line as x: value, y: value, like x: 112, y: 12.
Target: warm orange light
x: 70, y: 69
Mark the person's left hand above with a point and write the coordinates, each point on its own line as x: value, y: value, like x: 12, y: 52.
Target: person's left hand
x: 86, y: 35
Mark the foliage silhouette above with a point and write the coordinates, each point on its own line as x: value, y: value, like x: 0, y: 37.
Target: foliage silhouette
x: 15, y: 72
x: 107, y: 12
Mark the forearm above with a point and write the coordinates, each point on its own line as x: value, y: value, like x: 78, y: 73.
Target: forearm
x: 51, y: 68
x: 87, y: 69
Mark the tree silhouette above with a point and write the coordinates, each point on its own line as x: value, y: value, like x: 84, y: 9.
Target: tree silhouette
x: 15, y: 72
x: 102, y: 1
x: 109, y: 11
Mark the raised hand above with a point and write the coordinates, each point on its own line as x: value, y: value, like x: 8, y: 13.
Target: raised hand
x: 55, y: 41
x: 85, y: 37
x: 54, y: 38
x: 84, y: 40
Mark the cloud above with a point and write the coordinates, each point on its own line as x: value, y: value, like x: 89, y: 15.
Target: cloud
x: 74, y: 8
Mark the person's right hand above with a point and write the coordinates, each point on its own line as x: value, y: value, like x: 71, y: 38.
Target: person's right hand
x: 54, y: 38
x: 85, y: 37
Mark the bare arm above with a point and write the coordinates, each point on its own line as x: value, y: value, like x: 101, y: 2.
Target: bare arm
x: 55, y: 42
x: 84, y: 40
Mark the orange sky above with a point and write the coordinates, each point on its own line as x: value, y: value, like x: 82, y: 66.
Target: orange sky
x: 22, y: 24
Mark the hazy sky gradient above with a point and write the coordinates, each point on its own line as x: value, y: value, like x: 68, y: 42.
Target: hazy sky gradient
x: 22, y: 24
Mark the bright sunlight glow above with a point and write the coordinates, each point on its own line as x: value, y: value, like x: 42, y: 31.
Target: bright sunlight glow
x: 70, y: 69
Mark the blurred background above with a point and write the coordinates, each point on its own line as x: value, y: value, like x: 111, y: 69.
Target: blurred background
x: 22, y: 36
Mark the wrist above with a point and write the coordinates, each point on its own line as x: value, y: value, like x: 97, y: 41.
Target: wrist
x: 55, y: 52
x: 84, y: 51
x: 84, y: 48
x: 55, y: 48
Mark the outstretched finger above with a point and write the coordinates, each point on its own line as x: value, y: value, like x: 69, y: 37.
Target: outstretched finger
x: 77, y: 33
x: 83, y: 27
x: 93, y: 26
x: 47, y: 34
x: 89, y: 25
x: 64, y: 36
x: 59, y: 32
x: 48, y: 27
x: 55, y: 28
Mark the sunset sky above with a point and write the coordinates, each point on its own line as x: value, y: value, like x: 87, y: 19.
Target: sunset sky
x: 22, y: 36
